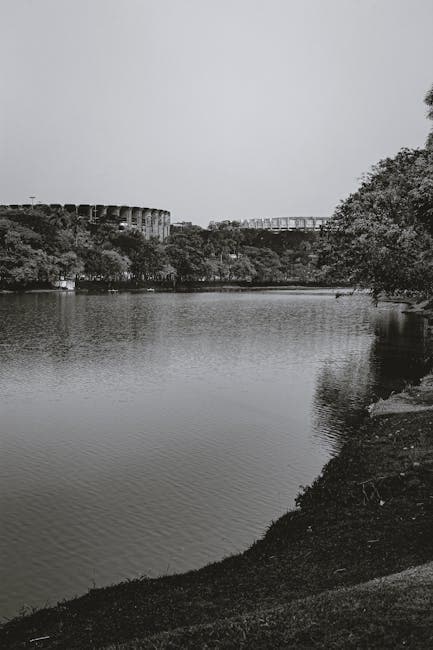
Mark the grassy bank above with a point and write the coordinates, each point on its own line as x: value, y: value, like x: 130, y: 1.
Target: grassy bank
x: 369, y: 514
x: 391, y: 612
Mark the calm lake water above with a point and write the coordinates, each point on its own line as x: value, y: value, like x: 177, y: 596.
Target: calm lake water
x: 153, y: 433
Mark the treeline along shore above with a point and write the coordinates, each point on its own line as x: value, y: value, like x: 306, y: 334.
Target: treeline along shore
x: 41, y: 246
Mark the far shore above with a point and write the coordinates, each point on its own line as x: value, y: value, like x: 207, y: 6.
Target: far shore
x: 193, y: 288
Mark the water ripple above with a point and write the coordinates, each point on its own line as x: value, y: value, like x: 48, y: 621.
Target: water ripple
x: 153, y: 434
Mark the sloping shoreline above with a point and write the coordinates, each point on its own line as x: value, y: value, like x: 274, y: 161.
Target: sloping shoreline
x: 333, y: 619
x: 369, y: 514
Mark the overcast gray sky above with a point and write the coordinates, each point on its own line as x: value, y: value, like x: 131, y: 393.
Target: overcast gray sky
x: 208, y: 108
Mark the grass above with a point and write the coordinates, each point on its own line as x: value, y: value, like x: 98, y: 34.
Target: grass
x: 369, y: 514
x: 394, y: 612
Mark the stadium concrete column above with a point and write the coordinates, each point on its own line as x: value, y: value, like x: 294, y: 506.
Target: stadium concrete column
x: 161, y: 225
x: 137, y: 216
x: 113, y: 213
x: 85, y: 212
x: 154, y: 222
x: 100, y: 212
x: 147, y: 223
x: 166, y: 224
x: 125, y: 215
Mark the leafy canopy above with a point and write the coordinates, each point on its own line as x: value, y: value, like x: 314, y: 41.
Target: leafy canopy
x: 381, y: 236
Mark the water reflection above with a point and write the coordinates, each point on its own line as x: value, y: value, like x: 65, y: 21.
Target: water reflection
x: 398, y: 354
x: 154, y: 433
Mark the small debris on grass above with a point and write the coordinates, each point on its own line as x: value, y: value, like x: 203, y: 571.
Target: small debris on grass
x: 39, y: 638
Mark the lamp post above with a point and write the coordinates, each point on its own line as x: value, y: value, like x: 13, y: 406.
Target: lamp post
x: 32, y: 198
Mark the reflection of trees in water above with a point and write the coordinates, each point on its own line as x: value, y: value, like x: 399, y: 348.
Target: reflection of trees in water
x: 399, y: 354
x: 401, y: 351
x: 341, y: 395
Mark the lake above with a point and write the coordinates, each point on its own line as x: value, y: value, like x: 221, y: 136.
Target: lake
x: 144, y: 434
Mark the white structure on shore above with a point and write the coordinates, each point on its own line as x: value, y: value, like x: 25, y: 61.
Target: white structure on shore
x: 278, y: 224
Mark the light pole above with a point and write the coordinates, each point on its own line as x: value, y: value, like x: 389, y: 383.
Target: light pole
x: 32, y: 198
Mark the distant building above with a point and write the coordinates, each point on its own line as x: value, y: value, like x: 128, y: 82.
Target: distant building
x: 182, y: 225
x: 150, y: 221
x: 276, y: 224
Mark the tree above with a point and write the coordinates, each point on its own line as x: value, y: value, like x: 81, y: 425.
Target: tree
x: 23, y: 261
x: 114, y: 266
x: 266, y: 263
x: 185, y: 252
x: 243, y: 269
x: 69, y: 264
x: 212, y: 269
x: 381, y: 236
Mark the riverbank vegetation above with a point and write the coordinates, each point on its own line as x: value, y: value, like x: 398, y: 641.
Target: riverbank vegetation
x: 40, y: 246
x: 381, y: 236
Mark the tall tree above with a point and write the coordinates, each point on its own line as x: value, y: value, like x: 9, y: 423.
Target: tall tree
x: 381, y: 236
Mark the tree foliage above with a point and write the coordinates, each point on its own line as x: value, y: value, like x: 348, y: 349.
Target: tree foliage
x: 40, y: 246
x: 381, y: 236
